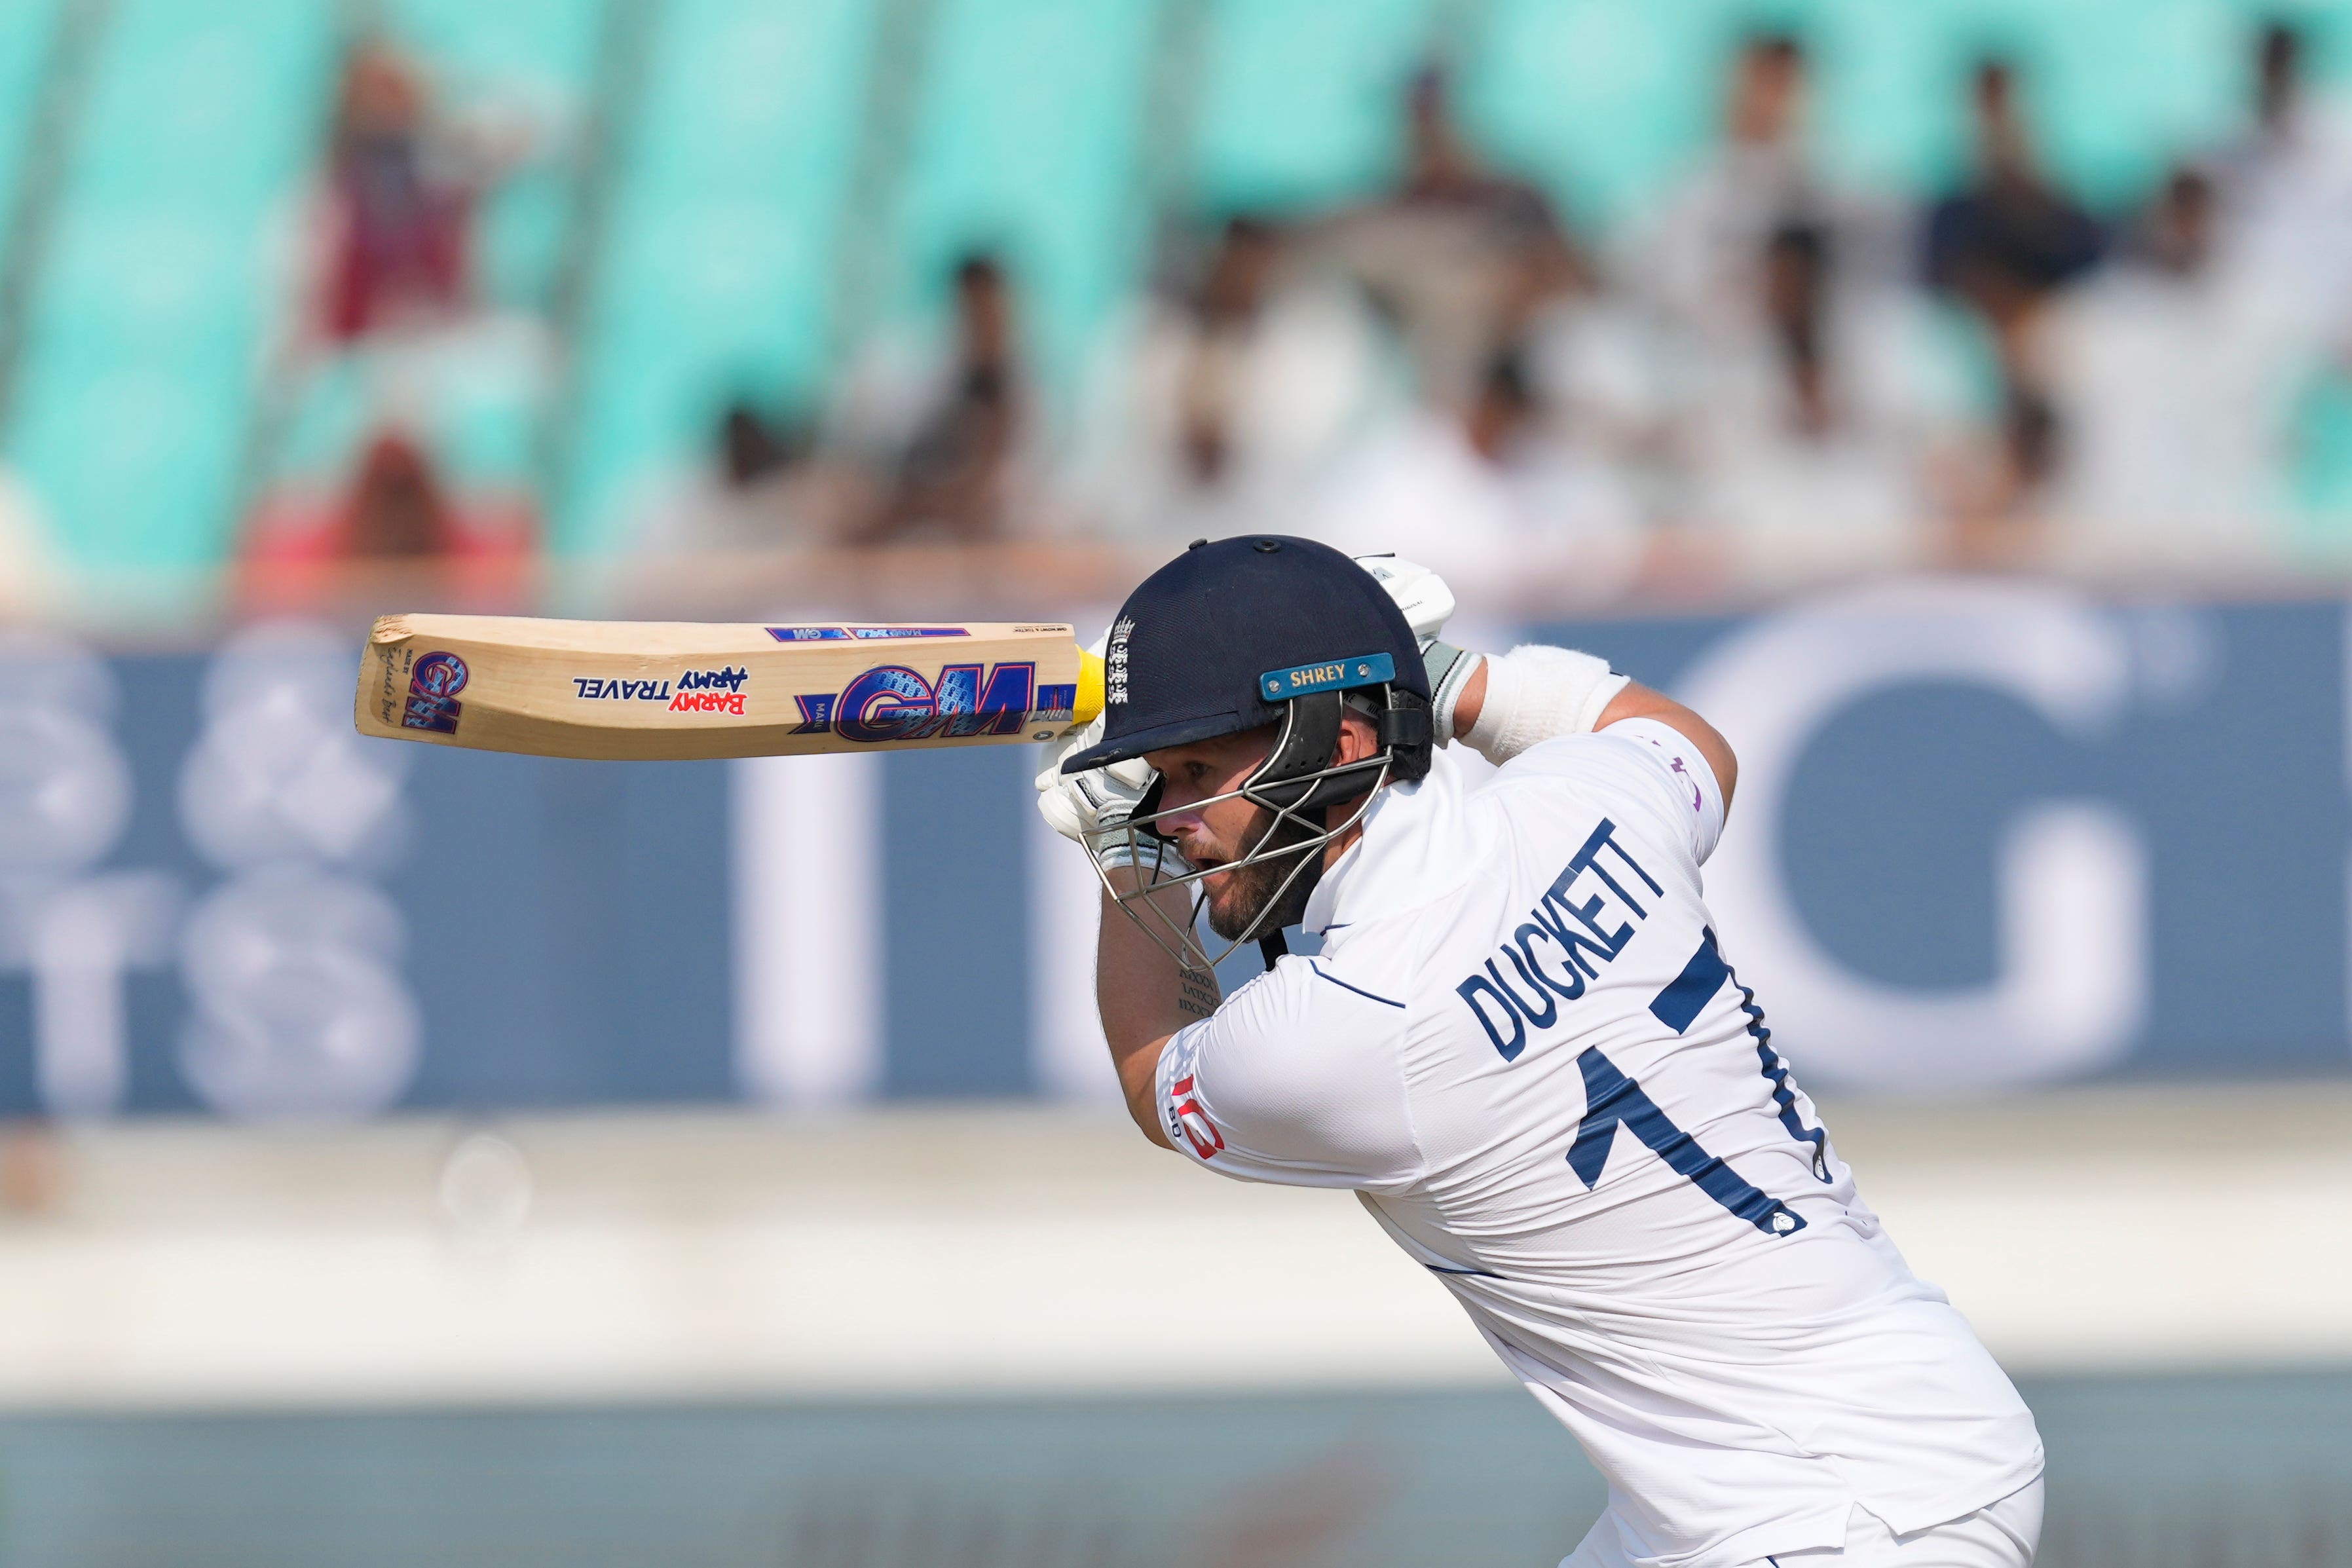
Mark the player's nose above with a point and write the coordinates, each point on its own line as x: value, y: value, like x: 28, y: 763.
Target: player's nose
x: 1188, y: 829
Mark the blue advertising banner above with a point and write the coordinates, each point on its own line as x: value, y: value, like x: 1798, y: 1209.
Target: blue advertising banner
x: 1987, y: 835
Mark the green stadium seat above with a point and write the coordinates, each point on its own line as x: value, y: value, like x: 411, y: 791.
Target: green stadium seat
x: 714, y: 278
x: 146, y: 331
x: 475, y: 397
x: 1596, y: 101
x: 24, y: 32
x: 1029, y: 138
x: 1300, y: 99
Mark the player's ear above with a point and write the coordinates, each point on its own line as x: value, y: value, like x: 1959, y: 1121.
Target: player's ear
x: 1359, y: 738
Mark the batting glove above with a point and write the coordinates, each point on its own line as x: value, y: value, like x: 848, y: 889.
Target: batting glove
x: 1089, y: 808
x: 1427, y: 603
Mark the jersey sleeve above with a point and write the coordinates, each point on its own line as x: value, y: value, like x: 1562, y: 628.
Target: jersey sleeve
x: 1297, y: 1079
x: 1649, y: 766
x: 1696, y: 795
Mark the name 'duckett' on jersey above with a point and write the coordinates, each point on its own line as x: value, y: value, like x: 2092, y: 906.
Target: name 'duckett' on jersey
x: 1583, y: 922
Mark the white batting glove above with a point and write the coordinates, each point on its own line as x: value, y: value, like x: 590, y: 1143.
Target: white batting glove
x: 1081, y: 807
x: 1420, y: 592
x: 1427, y: 603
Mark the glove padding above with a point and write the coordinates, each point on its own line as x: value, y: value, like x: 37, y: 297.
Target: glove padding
x: 1080, y: 806
x: 1427, y: 604
x: 1420, y: 592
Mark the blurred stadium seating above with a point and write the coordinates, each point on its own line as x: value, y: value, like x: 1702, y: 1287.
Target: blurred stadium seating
x: 726, y: 196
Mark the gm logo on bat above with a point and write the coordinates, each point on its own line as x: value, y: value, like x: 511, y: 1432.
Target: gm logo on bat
x: 891, y: 703
x: 433, y: 682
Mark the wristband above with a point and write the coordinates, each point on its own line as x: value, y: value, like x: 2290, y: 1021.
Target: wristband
x: 1535, y: 694
x: 1145, y: 852
x: 1450, y: 669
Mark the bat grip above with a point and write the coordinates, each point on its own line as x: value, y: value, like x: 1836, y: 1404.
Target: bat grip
x: 1091, y: 688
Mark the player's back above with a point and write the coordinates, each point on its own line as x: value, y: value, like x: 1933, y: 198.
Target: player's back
x: 1615, y: 1170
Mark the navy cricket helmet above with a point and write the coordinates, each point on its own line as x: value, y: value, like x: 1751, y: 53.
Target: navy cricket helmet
x: 1260, y: 631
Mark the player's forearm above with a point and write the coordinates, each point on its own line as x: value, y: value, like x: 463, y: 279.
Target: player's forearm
x: 1632, y: 700
x: 1144, y: 997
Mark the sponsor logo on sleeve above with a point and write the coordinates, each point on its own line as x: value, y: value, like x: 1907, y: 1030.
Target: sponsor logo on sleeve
x: 1188, y: 1120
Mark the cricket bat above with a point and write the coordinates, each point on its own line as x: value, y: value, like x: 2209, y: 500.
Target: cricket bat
x: 646, y: 689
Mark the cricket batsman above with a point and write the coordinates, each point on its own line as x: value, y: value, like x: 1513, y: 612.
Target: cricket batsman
x: 1524, y: 1047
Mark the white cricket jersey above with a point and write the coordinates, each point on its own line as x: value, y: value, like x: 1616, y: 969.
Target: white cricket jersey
x: 1522, y: 1045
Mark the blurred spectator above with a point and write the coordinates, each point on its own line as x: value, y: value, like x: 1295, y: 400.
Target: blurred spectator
x: 1492, y: 497
x: 753, y: 448
x: 1458, y: 256
x: 2285, y: 189
x: 943, y: 427
x: 2004, y: 246
x: 400, y: 208
x: 1602, y: 367
x: 2173, y: 375
x: 1695, y: 261
x: 397, y: 511
x: 1214, y: 404
x: 765, y: 487
x: 1810, y: 433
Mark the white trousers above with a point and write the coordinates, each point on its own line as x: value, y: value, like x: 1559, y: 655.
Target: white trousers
x: 2002, y: 1535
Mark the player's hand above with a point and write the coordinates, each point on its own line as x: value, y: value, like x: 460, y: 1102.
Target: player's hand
x: 1420, y: 592
x: 1082, y: 806
x: 1427, y: 603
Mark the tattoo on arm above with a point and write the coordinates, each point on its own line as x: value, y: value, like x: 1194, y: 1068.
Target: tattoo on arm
x: 1196, y: 993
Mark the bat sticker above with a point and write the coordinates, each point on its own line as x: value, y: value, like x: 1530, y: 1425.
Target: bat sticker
x: 891, y: 703
x: 433, y: 682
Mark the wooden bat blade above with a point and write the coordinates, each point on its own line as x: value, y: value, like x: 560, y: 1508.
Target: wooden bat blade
x: 645, y: 690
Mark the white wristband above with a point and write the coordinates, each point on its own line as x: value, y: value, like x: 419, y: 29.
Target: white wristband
x: 1534, y: 694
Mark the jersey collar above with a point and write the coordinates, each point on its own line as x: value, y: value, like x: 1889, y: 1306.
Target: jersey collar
x: 1416, y: 845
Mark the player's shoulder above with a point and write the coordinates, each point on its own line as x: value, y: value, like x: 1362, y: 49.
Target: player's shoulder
x: 1305, y: 998
x: 1296, y: 1078
x: 1301, y: 1031
x: 1641, y: 772
x: 1602, y: 766
x: 1589, y: 754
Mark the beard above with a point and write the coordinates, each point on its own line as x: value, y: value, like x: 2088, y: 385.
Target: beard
x: 1254, y: 895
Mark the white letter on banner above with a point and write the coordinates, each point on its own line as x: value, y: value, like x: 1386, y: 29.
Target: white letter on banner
x: 808, y: 927
x: 2071, y: 991
x: 65, y: 805
x: 300, y: 1008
